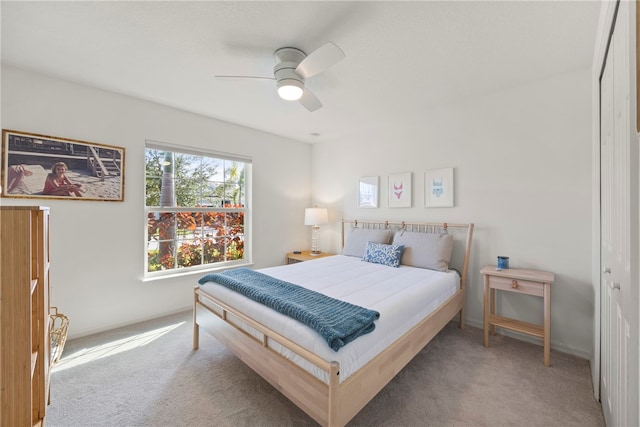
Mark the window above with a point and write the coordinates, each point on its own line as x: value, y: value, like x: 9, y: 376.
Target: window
x: 195, y: 210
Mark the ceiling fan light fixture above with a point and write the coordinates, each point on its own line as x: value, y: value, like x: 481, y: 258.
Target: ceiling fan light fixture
x: 293, y: 67
x: 290, y: 89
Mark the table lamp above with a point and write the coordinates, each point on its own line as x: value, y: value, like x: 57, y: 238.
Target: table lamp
x: 315, y: 217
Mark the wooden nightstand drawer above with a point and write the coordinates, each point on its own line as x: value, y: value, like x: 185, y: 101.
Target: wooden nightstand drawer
x: 516, y: 285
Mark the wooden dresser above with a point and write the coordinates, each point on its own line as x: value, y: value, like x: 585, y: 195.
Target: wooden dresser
x: 24, y: 315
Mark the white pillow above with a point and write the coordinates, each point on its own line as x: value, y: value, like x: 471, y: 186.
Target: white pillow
x: 425, y: 250
x: 357, y: 239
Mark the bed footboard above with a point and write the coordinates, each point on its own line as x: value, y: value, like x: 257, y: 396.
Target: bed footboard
x: 333, y: 404
x: 310, y: 394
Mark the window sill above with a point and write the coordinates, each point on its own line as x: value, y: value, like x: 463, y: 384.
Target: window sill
x: 201, y: 272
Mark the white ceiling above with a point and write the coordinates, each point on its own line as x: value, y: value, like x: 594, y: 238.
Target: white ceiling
x: 401, y: 57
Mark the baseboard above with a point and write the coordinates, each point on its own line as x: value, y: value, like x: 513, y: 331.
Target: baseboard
x: 127, y: 323
x: 555, y: 346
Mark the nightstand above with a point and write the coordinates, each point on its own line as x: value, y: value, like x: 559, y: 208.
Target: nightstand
x: 304, y: 256
x: 522, y: 281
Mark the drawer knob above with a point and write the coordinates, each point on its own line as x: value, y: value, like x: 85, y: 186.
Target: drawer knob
x: 514, y: 284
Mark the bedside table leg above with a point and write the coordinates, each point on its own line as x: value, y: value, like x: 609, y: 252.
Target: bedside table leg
x: 547, y: 324
x: 492, y: 309
x: 486, y: 311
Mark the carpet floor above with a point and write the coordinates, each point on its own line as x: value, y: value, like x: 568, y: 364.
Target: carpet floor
x: 148, y: 375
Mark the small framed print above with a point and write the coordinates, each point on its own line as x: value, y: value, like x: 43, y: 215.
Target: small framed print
x: 438, y: 188
x: 368, y: 192
x: 399, y: 190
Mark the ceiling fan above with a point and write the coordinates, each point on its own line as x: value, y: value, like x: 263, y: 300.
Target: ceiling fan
x: 293, y: 67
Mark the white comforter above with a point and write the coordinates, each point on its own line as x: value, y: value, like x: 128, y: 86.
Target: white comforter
x: 403, y: 296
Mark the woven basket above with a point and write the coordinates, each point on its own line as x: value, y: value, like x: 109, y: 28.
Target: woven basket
x: 58, y: 330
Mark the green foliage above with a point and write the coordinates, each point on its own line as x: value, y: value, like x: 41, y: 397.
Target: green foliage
x: 154, y: 260
x: 152, y: 183
x: 195, y: 179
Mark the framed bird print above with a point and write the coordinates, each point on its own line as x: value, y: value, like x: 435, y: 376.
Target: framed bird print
x: 399, y: 190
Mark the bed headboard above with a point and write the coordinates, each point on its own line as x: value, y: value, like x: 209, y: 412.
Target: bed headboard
x: 462, y: 235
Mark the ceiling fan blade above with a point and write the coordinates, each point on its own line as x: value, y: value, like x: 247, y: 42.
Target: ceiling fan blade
x: 310, y: 101
x: 319, y: 60
x: 244, y: 77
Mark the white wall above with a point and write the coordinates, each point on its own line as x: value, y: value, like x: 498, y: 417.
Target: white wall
x: 522, y: 160
x: 97, y: 248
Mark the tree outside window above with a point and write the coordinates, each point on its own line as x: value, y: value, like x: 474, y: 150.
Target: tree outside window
x: 195, y: 210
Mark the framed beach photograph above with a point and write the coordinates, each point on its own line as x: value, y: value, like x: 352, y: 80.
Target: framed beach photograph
x: 368, y: 192
x: 438, y: 188
x: 399, y: 190
x: 48, y: 167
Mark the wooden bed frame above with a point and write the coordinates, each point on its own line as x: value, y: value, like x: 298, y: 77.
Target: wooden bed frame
x: 335, y: 403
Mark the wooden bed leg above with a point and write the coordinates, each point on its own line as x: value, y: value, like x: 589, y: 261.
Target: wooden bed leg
x: 196, y: 336
x: 334, y: 383
x: 196, y: 327
x: 461, y: 324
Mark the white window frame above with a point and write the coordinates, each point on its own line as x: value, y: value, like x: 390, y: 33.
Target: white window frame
x: 200, y: 269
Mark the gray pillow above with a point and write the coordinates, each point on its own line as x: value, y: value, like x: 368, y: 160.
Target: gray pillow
x: 425, y: 250
x: 357, y: 239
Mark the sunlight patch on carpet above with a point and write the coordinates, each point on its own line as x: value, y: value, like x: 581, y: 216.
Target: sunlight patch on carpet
x: 87, y: 355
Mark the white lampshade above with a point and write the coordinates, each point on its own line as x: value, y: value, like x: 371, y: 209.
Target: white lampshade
x: 315, y: 216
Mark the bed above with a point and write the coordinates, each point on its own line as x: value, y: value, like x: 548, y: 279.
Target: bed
x: 412, y: 274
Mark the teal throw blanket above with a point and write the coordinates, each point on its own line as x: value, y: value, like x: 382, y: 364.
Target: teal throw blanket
x: 338, y: 322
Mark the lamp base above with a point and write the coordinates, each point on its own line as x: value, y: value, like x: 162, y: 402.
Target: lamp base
x: 315, y: 253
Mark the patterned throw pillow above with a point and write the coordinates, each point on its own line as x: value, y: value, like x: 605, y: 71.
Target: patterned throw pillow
x: 379, y: 253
